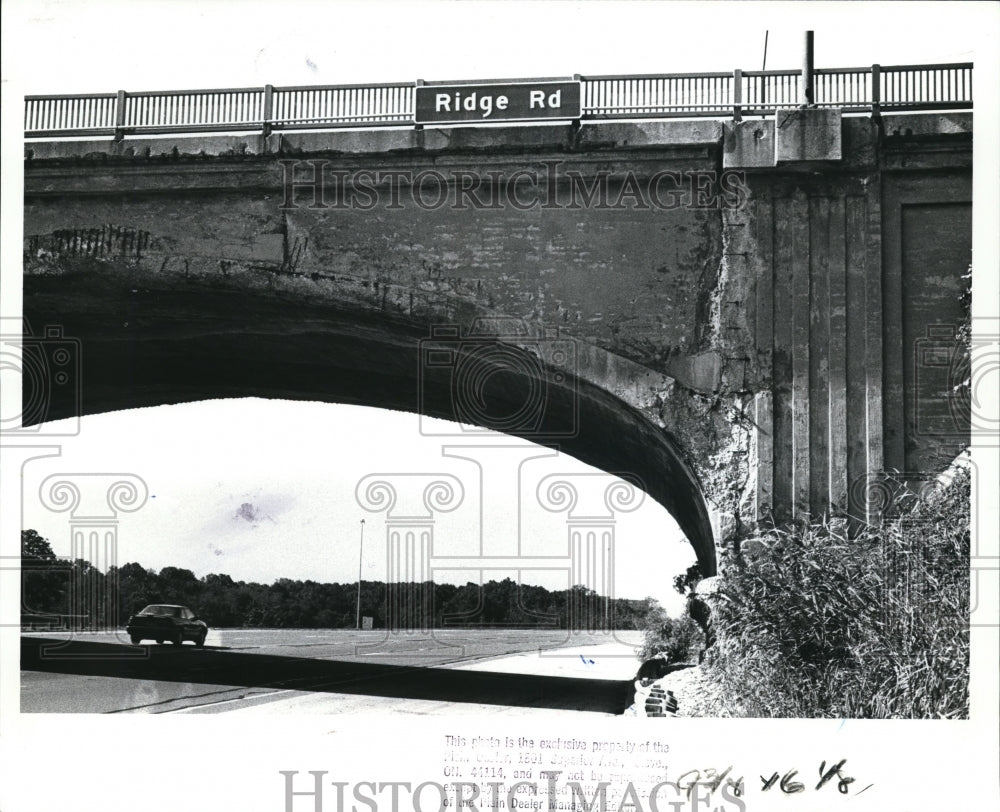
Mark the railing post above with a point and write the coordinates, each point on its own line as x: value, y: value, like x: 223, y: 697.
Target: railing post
x: 577, y: 123
x: 876, y: 91
x: 418, y: 83
x: 120, y: 115
x: 737, y: 95
x: 268, y: 109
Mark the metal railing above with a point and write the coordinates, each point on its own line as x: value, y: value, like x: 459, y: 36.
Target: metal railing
x: 676, y: 95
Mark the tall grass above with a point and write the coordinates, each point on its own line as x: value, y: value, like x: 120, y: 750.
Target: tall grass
x: 813, y: 622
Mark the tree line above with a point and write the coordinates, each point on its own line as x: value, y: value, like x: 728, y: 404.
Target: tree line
x: 55, y: 590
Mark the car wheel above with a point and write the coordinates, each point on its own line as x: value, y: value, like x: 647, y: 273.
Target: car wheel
x: 200, y: 641
x: 136, y: 640
x: 178, y: 638
x: 159, y: 641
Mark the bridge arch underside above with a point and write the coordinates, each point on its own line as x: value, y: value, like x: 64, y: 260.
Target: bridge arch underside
x: 150, y: 348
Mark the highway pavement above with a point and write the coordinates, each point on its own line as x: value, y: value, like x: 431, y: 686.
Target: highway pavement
x: 503, y: 671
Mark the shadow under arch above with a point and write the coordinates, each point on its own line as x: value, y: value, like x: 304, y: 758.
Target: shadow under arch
x: 173, y: 346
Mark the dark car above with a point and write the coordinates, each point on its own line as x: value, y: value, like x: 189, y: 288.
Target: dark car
x: 164, y: 621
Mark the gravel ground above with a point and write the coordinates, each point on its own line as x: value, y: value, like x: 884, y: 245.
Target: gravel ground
x: 696, y: 694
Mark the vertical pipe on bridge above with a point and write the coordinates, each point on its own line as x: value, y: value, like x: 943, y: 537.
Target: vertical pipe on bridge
x: 806, y: 86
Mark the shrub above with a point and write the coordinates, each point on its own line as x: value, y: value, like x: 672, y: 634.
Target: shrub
x: 813, y: 622
x: 675, y: 638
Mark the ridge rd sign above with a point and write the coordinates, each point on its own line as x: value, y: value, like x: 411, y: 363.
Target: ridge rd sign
x: 515, y: 101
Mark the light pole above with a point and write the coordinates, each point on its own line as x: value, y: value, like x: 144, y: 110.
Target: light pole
x: 361, y: 555
x: 607, y: 584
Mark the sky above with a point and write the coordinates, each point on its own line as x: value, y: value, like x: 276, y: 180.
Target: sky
x: 266, y: 489
x: 262, y: 489
x: 214, y: 43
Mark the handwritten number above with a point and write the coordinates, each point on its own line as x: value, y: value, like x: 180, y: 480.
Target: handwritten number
x: 691, y: 786
x: 787, y: 785
x: 843, y: 782
x: 714, y: 779
x: 790, y: 787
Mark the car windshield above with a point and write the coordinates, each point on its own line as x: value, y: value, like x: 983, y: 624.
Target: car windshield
x: 165, y: 611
